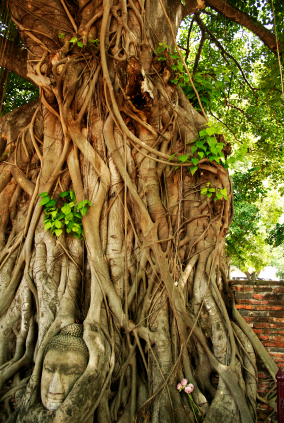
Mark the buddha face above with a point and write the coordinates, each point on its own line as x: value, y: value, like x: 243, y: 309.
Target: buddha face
x: 60, y: 372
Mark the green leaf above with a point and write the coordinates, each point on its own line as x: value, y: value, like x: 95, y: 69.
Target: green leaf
x: 172, y: 156
x: 211, y: 141
x: 195, y: 161
x: 193, y: 169
x: 78, y: 215
x: 61, y: 35
x: 201, y: 154
x: 182, y: 2
x: 58, y: 224
x: 210, y: 131
x: 64, y: 194
x: 45, y: 200
x: 84, y: 210
x: 73, y: 40
x: 80, y: 205
x: 183, y: 158
x: 211, y: 190
x: 203, y: 133
x: 79, y: 44
x: 43, y: 194
x: 70, y: 225
x: 209, y: 195
x: 65, y: 209
x: 50, y: 203
x: 54, y: 213
x: 58, y: 232
x: 204, y: 191
x: 78, y: 236
x: 47, y: 226
x: 194, y: 148
x: 200, y: 144
x: 180, y: 66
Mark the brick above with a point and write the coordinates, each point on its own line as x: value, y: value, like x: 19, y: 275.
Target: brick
x: 280, y: 289
x: 251, y: 301
x: 269, y: 307
x: 273, y: 344
x: 244, y: 307
x: 276, y: 302
x: 263, y: 289
x: 255, y: 319
x: 262, y: 325
x: 243, y: 288
x: 272, y: 331
x: 258, y: 331
x: 275, y: 319
x: 262, y: 313
x: 277, y: 338
x: 276, y: 314
x: 258, y: 296
x: 243, y: 297
x: 278, y: 353
x: 274, y: 297
x: 264, y: 337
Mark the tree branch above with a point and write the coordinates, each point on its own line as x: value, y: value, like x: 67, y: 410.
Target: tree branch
x: 242, y: 18
x: 197, y: 57
x: 224, y: 53
x: 14, y: 59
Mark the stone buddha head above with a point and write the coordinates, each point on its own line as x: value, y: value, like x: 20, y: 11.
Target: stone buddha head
x: 66, y: 358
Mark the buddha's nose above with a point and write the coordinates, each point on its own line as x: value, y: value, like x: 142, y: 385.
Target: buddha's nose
x: 56, y: 385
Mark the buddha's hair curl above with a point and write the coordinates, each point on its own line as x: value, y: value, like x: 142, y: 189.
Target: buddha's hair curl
x: 70, y: 338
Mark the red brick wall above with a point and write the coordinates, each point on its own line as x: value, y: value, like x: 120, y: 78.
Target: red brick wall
x: 262, y: 305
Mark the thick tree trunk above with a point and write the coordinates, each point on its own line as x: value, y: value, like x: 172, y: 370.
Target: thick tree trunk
x: 148, y: 280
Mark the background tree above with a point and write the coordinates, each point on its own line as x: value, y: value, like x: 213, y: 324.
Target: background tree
x: 115, y: 204
x: 257, y: 210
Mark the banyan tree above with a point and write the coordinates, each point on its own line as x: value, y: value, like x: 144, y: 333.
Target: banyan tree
x: 114, y: 214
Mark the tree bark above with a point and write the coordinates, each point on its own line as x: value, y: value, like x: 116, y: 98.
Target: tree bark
x: 14, y: 59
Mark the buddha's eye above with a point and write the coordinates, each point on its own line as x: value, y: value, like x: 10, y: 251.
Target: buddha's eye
x: 72, y: 372
x: 49, y: 369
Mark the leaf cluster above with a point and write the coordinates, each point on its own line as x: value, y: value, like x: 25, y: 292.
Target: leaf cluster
x: 77, y: 41
x: 276, y: 235
x: 69, y: 215
x: 219, y: 194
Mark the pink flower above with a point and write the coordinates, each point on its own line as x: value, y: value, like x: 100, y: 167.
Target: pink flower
x: 189, y: 388
x: 179, y: 387
x: 184, y: 382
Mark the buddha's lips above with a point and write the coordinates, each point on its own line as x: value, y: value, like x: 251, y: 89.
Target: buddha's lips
x: 55, y: 397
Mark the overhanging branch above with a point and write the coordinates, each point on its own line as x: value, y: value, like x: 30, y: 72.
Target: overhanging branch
x: 242, y: 18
